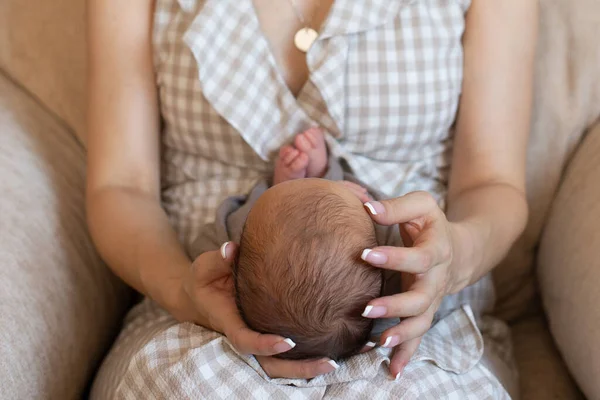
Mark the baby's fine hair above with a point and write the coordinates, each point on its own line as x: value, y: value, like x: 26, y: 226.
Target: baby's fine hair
x: 302, y: 277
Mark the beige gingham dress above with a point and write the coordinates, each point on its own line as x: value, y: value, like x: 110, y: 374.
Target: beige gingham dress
x: 385, y: 81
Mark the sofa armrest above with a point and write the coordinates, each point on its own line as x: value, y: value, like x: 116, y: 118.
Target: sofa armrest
x: 569, y: 266
x: 60, y: 307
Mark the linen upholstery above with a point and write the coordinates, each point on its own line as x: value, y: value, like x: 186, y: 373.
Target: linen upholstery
x: 566, y: 102
x: 569, y: 266
x: 42, y: 46
x: 59, y: 305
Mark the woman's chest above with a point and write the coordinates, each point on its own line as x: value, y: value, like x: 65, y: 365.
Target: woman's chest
x: 280, y: 22
x: 384, y: 77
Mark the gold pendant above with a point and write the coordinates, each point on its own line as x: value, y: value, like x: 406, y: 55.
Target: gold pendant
x: 305, y: 38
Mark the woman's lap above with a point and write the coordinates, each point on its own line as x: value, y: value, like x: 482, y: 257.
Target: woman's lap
x: 155, y: 357
x: 143, y: 323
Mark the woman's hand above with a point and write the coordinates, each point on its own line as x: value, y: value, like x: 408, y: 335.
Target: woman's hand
x: 210, y: 288
x: 425, y: 264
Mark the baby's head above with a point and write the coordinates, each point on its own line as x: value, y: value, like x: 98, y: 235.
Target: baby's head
x: 299, y: 273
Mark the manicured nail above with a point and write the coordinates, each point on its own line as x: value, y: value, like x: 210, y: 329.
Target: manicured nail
x: 374, y: 311
x: 398, y: 375
x: 389, y: 342
x: 374, y: 257
x: 224, y: 250
x: 325, y: 366
x: 375, y: 207
x: 284, y: 345
x: 371, y: 344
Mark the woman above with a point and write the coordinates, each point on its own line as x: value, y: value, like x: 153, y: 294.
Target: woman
x: 232, y: 83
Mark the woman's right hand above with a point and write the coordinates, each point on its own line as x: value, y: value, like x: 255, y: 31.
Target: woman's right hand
x: 209, y: 286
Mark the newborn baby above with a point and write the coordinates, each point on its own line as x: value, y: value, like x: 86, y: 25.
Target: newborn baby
x: 299, y: 272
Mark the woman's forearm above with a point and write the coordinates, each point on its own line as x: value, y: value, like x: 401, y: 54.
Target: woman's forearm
x: 134, y: 237
x: 127, y: 223
x: 486, y: 195
x: 487, y: 220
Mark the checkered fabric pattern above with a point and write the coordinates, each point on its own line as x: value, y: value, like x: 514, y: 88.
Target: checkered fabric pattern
x: 385, y: 80
x: 185, y: 361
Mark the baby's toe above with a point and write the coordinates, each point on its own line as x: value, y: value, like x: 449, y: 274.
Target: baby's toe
x: 302, y: 143
x: 287, y: 154
x: 284, y: 151
x: 300, y: 162
x: 315, y: 137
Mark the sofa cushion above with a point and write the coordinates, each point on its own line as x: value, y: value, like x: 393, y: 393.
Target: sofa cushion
x: 569, y: 266
x: 567, y: 100
x: 60, y: 307
x: 42, y: 46
x: 542, y: 372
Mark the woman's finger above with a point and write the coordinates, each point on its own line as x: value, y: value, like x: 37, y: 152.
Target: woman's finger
x: 402, y: 305
x: 417, y: 299
x: 213, y: 265
x: 305, y: 369
x: 247, y: 341
x: 407, y: 239
x: 407, y: 330
x: 414, y: 260
x: 402, y: 356
x: 244, y: 339
x: 402, y: 209
x: 368, y: 347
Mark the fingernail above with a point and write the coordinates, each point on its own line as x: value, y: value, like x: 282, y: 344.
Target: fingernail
x: 224, y: 250
x: 390, y: 342
x: 375, y: 207
x: 374, y: 311
x: 371, y: 344
x: 326, y: 365
x: 284, y: 345
x: 373, y: 257
x: 398, y: 375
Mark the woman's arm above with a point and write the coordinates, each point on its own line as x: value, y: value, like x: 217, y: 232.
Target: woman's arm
x: 126, y: 220
x: 487, y: 208
x: 486, y: 199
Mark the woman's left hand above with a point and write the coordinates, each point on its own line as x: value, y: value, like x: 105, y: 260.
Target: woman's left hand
x: 425, y: 264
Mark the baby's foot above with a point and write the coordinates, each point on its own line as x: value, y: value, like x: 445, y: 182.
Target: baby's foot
x: 312, y: 143
x: 291, y: 164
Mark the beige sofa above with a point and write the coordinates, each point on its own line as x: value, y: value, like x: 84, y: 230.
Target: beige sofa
x: 60, y: 307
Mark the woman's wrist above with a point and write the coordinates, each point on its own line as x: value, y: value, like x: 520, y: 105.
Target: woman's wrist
x: 181, y: 306
x: 169, y: 292
x: 468, y: 239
